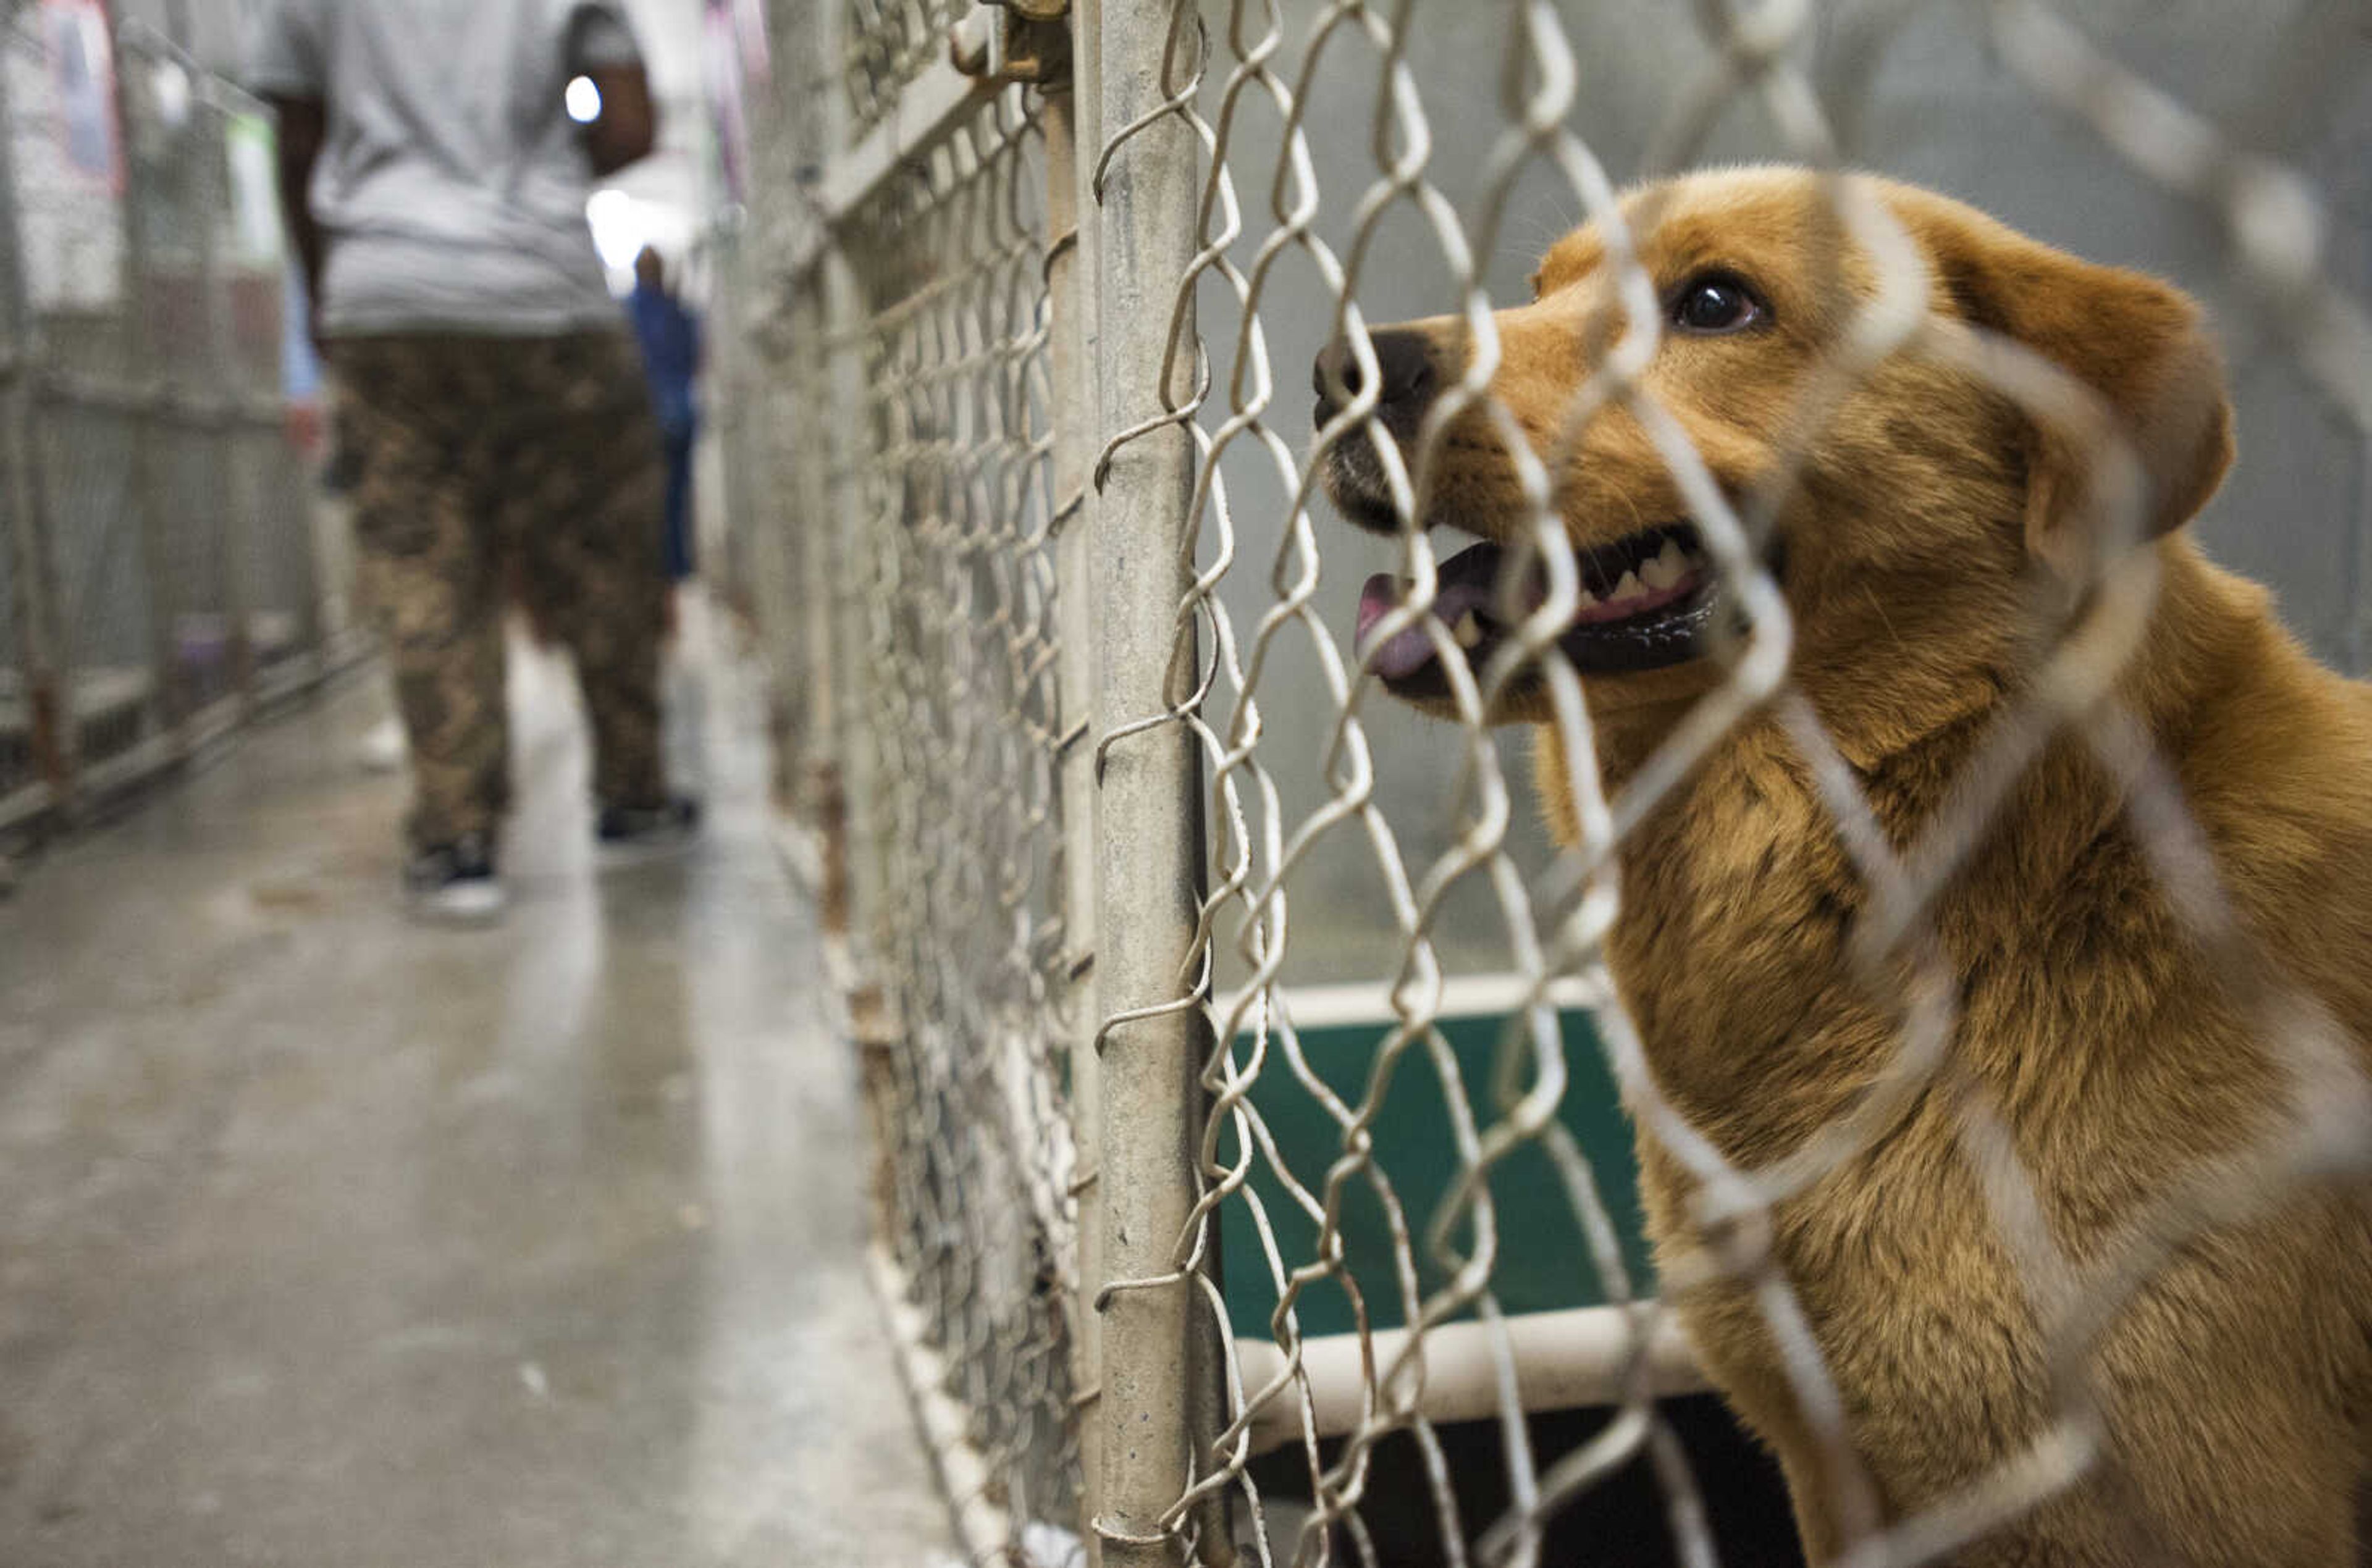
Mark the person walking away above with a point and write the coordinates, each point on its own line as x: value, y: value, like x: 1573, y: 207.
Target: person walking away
x: 669, y: 336
x: 436, y: 189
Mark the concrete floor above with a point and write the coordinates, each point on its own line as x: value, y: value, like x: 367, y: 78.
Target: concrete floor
x: 326, y: 1238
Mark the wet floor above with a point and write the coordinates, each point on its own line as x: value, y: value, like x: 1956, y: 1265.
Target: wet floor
x: 327, y: 1239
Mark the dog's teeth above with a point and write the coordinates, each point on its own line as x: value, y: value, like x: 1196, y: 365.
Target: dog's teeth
x: 1674, y: 557
x: 1628, y: 588
x: 1662, y: 572
x: 1469, y: 631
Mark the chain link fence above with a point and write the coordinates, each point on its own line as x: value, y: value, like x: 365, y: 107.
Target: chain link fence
x: 159, y: 566
x: 1255, y: 1082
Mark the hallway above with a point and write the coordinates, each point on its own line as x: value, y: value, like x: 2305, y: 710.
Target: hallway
x: 330, y: 1238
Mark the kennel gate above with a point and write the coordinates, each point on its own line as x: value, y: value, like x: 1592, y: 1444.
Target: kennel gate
x: 1070, y: 715
x: 160, y: 570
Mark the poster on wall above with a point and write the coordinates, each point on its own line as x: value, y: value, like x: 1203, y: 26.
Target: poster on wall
x: 82, y: 61
x: 69, y: 156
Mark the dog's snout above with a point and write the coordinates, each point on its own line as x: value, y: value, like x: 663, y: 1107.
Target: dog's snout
x: 1403, y: 365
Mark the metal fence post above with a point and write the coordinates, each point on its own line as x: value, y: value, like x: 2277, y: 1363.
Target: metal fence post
x: 845, y: 786
x: 48, y: 680
x: 850, y: 811
x: 168, y: 697
x: 1069, y: 119
x: 1148, y: 811
x: 233, y: 493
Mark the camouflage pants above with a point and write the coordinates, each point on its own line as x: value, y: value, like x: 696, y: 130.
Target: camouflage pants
x: 494, y: 464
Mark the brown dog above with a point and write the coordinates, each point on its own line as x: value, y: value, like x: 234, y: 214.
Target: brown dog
x: 1935, y: 532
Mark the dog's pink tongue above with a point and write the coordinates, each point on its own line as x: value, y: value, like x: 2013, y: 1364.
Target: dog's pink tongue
x: 1406, y: 653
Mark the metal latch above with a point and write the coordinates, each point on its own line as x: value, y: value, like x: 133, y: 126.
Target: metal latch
x: 1013, y: 40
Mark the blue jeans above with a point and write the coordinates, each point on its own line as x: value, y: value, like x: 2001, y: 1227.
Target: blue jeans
x: 678, y: 439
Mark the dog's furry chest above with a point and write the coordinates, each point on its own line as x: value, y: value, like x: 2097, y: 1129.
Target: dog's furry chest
x: 2078, y: 1019
x: 1730, y: 953
x: 2081, y: 1012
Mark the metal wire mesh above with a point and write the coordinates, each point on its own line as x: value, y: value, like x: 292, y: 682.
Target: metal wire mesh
x: 777, y: 473
x: 160, y: 546
x: 1404, y: 1225
x: 279, y: 575
x: 1558, y: 921
x: 952, y: 648
x: 19, y: 770
x: 889, y: 43
x: 87, y: 464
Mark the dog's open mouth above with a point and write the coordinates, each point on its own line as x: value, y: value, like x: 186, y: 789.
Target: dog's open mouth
x: 1647, y: 600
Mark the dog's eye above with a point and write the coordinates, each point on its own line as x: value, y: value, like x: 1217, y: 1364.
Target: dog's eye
x: 1715, y: 305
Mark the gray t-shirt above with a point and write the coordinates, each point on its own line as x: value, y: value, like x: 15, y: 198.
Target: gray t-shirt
x: 452, y: 187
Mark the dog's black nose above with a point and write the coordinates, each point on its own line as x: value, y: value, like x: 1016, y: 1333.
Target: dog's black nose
x: 1403, y: 360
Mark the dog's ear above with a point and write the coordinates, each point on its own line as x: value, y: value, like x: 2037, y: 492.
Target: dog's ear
x: 2139, y: 343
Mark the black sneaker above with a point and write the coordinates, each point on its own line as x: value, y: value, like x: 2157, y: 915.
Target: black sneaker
x: 455, y: 884
x: 624, y: 831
